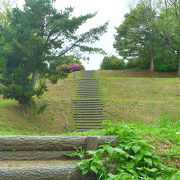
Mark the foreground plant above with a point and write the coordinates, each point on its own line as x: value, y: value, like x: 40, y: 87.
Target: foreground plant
x: 131, y: 158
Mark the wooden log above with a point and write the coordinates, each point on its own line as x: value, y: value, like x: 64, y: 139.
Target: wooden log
x: 43, y: 173
x: 33, y: 155
x: 48, y: 143
x: 92, y: 143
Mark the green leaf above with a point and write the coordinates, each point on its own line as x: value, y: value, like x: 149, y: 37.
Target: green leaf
x: 99, y: 153
x: 94, y: 169
x: 110, y: 150
x: 136, y: 148
x: 148, y: 160
x: 84, y: 171
x: 148, y: 153
x: 130, y: 165
x: 138, y: 157
x: 153, y: 170
x: 119, y: 150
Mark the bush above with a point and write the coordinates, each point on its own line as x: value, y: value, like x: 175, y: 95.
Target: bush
x: 161, y: 64
x: 137, y: 64
x: 112, y: 63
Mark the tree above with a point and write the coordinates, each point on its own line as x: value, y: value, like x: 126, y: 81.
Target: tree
x: 150, y: 35
x: 135, y: 38
x: 173, y: 21
x: 112, y: 63
x: 36, y: 39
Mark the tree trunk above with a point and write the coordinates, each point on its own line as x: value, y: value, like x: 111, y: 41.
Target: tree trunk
x: 152, y: 64
x: 34, y: 78
x: 178, y: 74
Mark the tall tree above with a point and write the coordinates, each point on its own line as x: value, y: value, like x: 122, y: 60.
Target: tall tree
x: 150, y: 33
x: 174, y: 16
x: 136, y: 37
x: 169, y: 28
x: 37, y: 37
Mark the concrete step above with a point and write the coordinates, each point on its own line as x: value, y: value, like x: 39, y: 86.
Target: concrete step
x: 88, y: 93
x: 87, y: 106
x: 95, y: 94
x: 87, y: 78
x: 79, y: 122
x: 87, y: 103
x: 88, y: 89
x: 88, y: 128
x: 87, y: 113
x: 92, y: 125
x: 90, y: 111
x: 89, y: 118
x: 59, y: 171
x: 87, y: 109
x: 36, y: 163
x: 84, y: 99
x: 88, y: 85
x: 32, y: 155
x: 89, y: 96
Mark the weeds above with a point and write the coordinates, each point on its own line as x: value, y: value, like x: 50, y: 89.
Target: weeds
x: 79, y: 152
x: 131, y: 158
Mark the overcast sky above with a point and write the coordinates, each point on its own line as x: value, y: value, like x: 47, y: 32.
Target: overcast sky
x: 108, y: 10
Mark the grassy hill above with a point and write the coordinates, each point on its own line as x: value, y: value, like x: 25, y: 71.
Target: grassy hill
x: 132, y: 99
x: 151, y: 105
x: 141, y: 99
x: 59, y: 111
x: 127, y: 98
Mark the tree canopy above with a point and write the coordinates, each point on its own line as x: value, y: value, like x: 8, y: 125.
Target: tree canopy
x: 112, y: 63
x: 149, y: 35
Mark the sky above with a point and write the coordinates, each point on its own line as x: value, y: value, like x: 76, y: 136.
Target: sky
x: 108, y: 10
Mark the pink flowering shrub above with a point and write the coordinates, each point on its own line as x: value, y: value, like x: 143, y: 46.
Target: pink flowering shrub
x: 70, y: 68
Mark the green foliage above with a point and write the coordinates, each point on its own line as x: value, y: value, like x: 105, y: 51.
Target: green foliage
x: 71, y: 59
x: 131, y: 158
x: 35, y: 41
x: 80, y: 152
x: 138, y: 64
x: 112, y: 63
x: 148, y: 36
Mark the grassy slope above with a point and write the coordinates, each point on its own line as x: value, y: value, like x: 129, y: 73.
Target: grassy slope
x: 59, y: 111
x: 150, y: 104
x: 148, y: 99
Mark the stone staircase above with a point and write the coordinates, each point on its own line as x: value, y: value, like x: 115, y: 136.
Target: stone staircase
x: 87, y: 105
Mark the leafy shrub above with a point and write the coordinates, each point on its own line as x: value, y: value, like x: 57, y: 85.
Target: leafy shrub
x: 112, y: 63
x: 161, y: 64
x: 68, y: 68
x: 131, y: 158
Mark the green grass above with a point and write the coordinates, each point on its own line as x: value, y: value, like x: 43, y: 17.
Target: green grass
x: 130, y: 98
x: 150, y: 104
